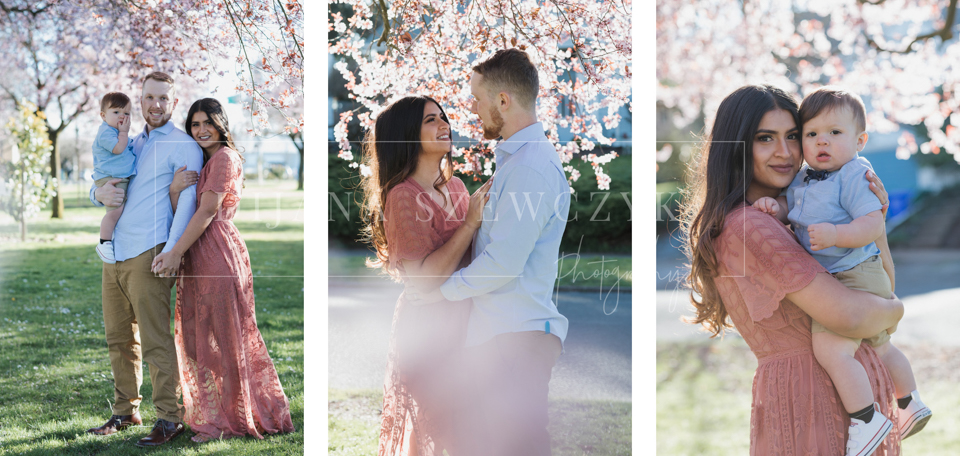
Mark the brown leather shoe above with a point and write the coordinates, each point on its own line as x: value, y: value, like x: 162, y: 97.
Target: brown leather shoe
x: 117, y: 423
x: 163, y: 432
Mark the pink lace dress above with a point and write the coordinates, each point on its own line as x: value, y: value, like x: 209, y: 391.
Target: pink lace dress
x: 796, y: 409
x: 419, y: 390
x: 230, y: 386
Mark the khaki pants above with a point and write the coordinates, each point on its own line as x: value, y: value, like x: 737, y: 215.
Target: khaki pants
x: 506, y: 386
x: 867, y: 276
x: 136, y: 315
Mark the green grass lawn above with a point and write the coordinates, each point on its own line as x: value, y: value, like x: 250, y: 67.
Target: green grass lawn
x: 589, y: 271
x: 576, y: 427
x: 703, y: 398
x: 55, y: 378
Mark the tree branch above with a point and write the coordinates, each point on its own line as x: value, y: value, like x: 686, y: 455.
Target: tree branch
x: 945, y: 33
x: 17, y: 10
x: 385, y: 36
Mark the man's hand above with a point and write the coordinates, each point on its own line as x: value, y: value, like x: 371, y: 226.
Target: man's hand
x: 767, y: 205
x: 166, y: 264
x: 417, y: 297
x: 110, y: 195
x: 822, y: 236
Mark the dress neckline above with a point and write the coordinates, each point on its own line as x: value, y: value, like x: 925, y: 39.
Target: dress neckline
x: 456, y: 211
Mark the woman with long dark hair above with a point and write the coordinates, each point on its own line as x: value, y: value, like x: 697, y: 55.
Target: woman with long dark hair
x: 752, y: 275
x: 230, y: 385
x: 420, y: 221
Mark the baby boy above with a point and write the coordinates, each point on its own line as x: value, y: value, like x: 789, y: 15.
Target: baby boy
x: 837, y: 218
x: 113, y: 158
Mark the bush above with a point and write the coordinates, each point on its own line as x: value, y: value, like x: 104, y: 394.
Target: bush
x: 343, y: 189
x: 599, y: 221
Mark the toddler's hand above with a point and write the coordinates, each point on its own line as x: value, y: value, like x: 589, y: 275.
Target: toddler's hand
x: 123, y: 125
x: 767, y: 205
x: 822, y: 236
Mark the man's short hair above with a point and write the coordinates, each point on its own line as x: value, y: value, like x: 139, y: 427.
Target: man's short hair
x: 511, y: 70
x: 114, y: 100
x: 833, y: 97
x: 159, y: 76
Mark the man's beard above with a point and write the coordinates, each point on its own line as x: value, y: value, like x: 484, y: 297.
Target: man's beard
x: 493, y: 131
x: 163, y: 120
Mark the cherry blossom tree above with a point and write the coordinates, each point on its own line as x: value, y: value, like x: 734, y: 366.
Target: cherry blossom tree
x: 582, y: 49
x: 64, y: 55
x: 28, y: 183
x: 902, y: 56
x: 264, y: 37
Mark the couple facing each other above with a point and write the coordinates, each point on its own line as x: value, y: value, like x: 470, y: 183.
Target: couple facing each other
x: 167, y: 224
x: 475, y: 334
x: 803, y: 299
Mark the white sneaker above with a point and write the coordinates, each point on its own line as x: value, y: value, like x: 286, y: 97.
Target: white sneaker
x: 864, y: 438
x: 913, y: 418
x: 105, y: 252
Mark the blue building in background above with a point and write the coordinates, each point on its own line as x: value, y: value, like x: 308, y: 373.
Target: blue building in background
x: 900, y: 177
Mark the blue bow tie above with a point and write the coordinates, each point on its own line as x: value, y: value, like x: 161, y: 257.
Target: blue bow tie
x: 815, y: 175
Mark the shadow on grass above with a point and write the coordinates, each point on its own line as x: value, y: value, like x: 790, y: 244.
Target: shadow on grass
x: 55, y: 376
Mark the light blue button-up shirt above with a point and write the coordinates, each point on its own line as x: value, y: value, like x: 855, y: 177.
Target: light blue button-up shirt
x: 148, y: 217
x: 105, y: 162
x: 839, y: 199
x: 515, y: 250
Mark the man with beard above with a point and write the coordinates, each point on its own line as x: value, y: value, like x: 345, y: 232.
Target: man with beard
x: 136, y: 302
x: 515, y: 332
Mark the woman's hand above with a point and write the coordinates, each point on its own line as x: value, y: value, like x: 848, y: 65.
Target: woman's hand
x: 166, y: 264
x: 182, y: 179
x: 477, y: 201
x: 877, y: 188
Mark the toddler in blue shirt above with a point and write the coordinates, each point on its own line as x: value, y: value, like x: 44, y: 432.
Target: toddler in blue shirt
x: 113, y: 158
x: 837, y: 218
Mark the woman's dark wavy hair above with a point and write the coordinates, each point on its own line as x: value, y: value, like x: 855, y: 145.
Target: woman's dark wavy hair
x: 717, y: 180
x: 214, y: 111
x: 392, y: 150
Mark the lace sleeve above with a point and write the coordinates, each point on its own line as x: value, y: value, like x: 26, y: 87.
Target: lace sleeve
x: 764, y: 259
x: 408, y: 225
x: 225, y: 175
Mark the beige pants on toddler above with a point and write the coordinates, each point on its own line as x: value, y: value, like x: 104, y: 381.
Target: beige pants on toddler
x: 867, y: 276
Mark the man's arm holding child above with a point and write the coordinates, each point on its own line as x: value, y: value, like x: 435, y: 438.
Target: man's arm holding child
x: 107, y: 195
x: 188, y: 155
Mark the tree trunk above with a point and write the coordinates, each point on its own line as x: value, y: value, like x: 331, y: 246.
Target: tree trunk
x: 299, y: 145
x: 57, y: 202
x: 23, y: 206
x: 300, y: 172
